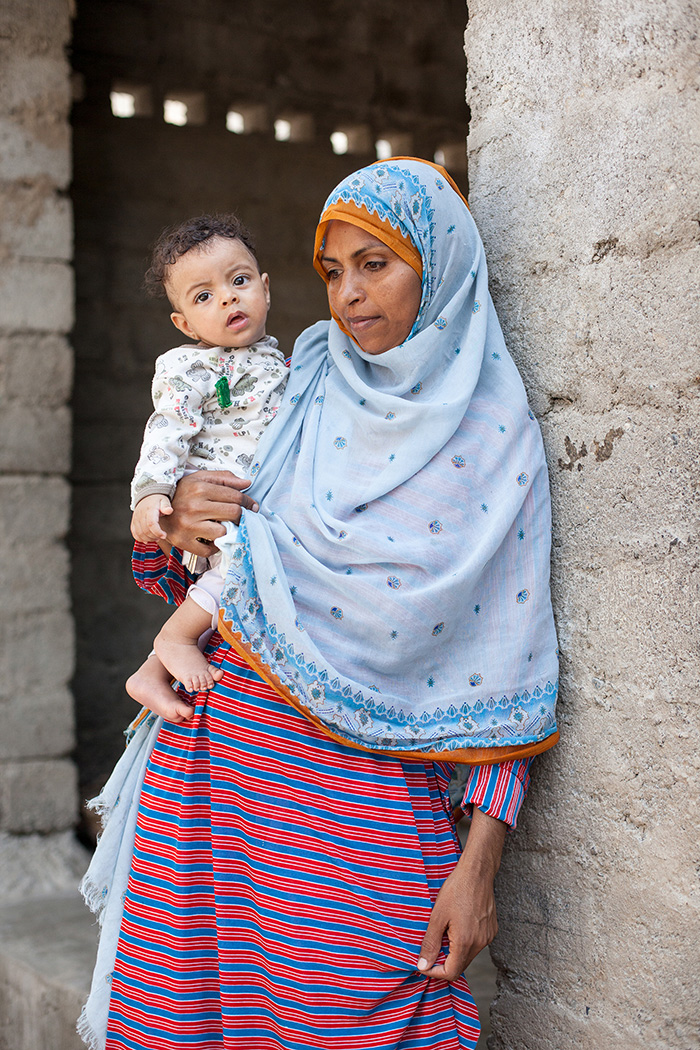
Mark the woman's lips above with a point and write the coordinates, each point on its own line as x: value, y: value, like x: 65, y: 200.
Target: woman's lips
x: 361, y: 324
x: 237, y: 321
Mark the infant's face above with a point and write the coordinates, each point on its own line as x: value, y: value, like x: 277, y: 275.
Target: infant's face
x: 222, y: 298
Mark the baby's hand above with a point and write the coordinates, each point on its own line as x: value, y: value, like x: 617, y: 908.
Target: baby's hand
x: 145, y: 524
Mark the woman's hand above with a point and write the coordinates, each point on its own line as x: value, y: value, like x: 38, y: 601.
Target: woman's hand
x: 465, y: 909
x: 201, y: 502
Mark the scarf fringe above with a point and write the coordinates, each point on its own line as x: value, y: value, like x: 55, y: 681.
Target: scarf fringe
x: 87, y: 1033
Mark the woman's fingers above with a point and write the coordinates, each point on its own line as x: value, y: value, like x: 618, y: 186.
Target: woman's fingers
x: 464, y: 912
x: 220, y: 477
x: 201, y: 502
x: 432, y: 942
x: 444, y: 920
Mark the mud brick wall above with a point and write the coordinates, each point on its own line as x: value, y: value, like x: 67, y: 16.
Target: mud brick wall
x: 37, y: 776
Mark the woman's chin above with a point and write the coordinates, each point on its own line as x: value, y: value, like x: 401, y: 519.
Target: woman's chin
x: 376, y: 343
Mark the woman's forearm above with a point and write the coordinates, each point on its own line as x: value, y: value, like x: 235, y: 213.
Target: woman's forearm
x: 484, y: 846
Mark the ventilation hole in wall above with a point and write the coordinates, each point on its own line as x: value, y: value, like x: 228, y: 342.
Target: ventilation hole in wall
x: 394, y: 144
x: 283, y: 130
x: 245, y: 119
x: 130, y: 100
x: 294, y: 127
x: 185, y: 107
x: 354, y: 139
x: 453, y: 157
x: 235, y: 122
x: 383, y: 149
x: 339, y: 142
x: 122, y: 104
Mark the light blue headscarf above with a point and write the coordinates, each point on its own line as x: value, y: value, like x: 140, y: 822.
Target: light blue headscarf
x: 395, y: 583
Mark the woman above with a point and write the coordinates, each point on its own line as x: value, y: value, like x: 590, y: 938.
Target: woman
x: 296, y: 875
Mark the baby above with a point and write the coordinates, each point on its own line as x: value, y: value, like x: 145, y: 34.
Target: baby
x: 212, y: 402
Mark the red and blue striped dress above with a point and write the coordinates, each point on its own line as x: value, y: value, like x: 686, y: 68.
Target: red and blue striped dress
x: 282, y: 882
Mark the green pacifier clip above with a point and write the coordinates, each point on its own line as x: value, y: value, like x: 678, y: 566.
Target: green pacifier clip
x: 223, y: 394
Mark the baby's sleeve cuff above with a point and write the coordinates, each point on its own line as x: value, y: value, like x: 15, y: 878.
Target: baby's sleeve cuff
x: 151, y: 488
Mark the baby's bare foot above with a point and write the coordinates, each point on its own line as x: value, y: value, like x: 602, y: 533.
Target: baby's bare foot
x: 187, y: 664
x: 158, y: 697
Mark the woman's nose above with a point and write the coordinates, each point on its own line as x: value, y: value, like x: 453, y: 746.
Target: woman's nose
x: 351, y: 288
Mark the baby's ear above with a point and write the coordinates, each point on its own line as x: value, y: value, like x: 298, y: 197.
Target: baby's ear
x: 180, y: 321
x: 266, y: 285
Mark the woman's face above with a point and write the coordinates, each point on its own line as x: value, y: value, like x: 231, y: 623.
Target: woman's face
x: 370, y: 288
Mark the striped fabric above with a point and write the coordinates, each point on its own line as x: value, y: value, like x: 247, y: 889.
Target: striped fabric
x: 498, y: 790
x: 282, y: 882
x: 157, y: 574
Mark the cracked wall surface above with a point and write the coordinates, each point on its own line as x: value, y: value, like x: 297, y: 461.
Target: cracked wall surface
x: 584, y: 181
x: 37, y: 776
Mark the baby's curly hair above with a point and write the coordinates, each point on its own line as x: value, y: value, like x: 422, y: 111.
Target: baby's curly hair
x: 175, y: 241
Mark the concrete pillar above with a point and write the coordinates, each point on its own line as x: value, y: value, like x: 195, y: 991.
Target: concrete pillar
x: 584, y: 184
x: 37, y: 778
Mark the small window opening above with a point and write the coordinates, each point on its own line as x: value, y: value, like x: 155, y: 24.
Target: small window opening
x: 122, y: 104
x: 339, y: 142
x: 453, y: 157
x: 235, y: 122
x: 245, y: 119
x: 394, y: 144
x: 283, y: 130
x: 294, y: 127
x: 354, y: 139
x: 383, y: 148
x: 185, y: 108
x: 130, y: 100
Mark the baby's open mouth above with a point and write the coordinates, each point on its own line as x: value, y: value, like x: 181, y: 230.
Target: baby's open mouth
x: 236, y: 320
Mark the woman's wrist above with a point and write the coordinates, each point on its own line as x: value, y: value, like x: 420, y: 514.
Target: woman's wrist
x: 202, y: 501
x: 481, y: 856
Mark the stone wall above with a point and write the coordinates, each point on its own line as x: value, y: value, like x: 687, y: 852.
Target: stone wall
x: 37, y: 778
x: 584, y: 182
x: 397, y: 68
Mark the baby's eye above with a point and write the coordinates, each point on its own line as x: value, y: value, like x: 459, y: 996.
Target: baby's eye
x: 240, y: 279
x: 202, y: 297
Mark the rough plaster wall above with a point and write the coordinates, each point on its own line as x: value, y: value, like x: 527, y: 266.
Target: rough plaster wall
x: 584, y: 181
x: 37, y: 780
x: 396, y: 66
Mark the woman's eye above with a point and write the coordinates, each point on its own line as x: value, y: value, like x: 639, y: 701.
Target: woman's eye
x: 375, y: 264
x: 332, y: 275
x: 202, y: 297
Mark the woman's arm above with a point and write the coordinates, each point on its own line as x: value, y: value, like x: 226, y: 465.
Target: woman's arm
x: 201, y: 502
x: 465, y: 907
